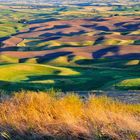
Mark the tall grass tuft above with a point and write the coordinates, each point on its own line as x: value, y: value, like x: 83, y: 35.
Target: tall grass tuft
x: 33, y: 116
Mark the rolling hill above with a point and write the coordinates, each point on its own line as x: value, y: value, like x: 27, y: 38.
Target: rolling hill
x: 69, y: 47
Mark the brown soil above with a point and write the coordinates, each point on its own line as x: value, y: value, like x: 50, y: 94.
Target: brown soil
x: 74, y: 31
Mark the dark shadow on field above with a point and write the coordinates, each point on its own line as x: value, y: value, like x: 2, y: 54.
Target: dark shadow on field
x: 11, y: 87
x: 102, y: 28
x: 99, y: 40
x: 120, y: 24
x: 122, y: 64
x: 120, y: 27
x: 3, y: 38
x: 136, y: 18
x: 100, y: 53
x: 42, y: 20
x: 23, y: 49
x: 97, y: 19
x: 51, y: 38
x: 59, y: 27
x: 115, y: 51
x: 63, y: 34
x: 47, y: 57
x: 89, y: 26
x: 125, y: 28
x: 75, y: 83
x: 9, y: 49
x: 47, y: 35
x: 56, y: 27
x: 132, y: 27
x: 96, y: 27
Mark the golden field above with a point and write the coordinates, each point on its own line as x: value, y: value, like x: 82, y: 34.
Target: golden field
x: 32, y: 115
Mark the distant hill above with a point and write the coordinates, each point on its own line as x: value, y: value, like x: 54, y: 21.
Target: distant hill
x: 70, y: 1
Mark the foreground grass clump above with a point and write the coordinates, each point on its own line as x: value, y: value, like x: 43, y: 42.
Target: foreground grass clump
x: 31, y: 115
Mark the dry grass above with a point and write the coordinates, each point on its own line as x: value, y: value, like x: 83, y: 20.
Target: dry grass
x: 30, y: 115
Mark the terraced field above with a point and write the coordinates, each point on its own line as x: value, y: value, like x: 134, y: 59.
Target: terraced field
x: 69, y: 48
